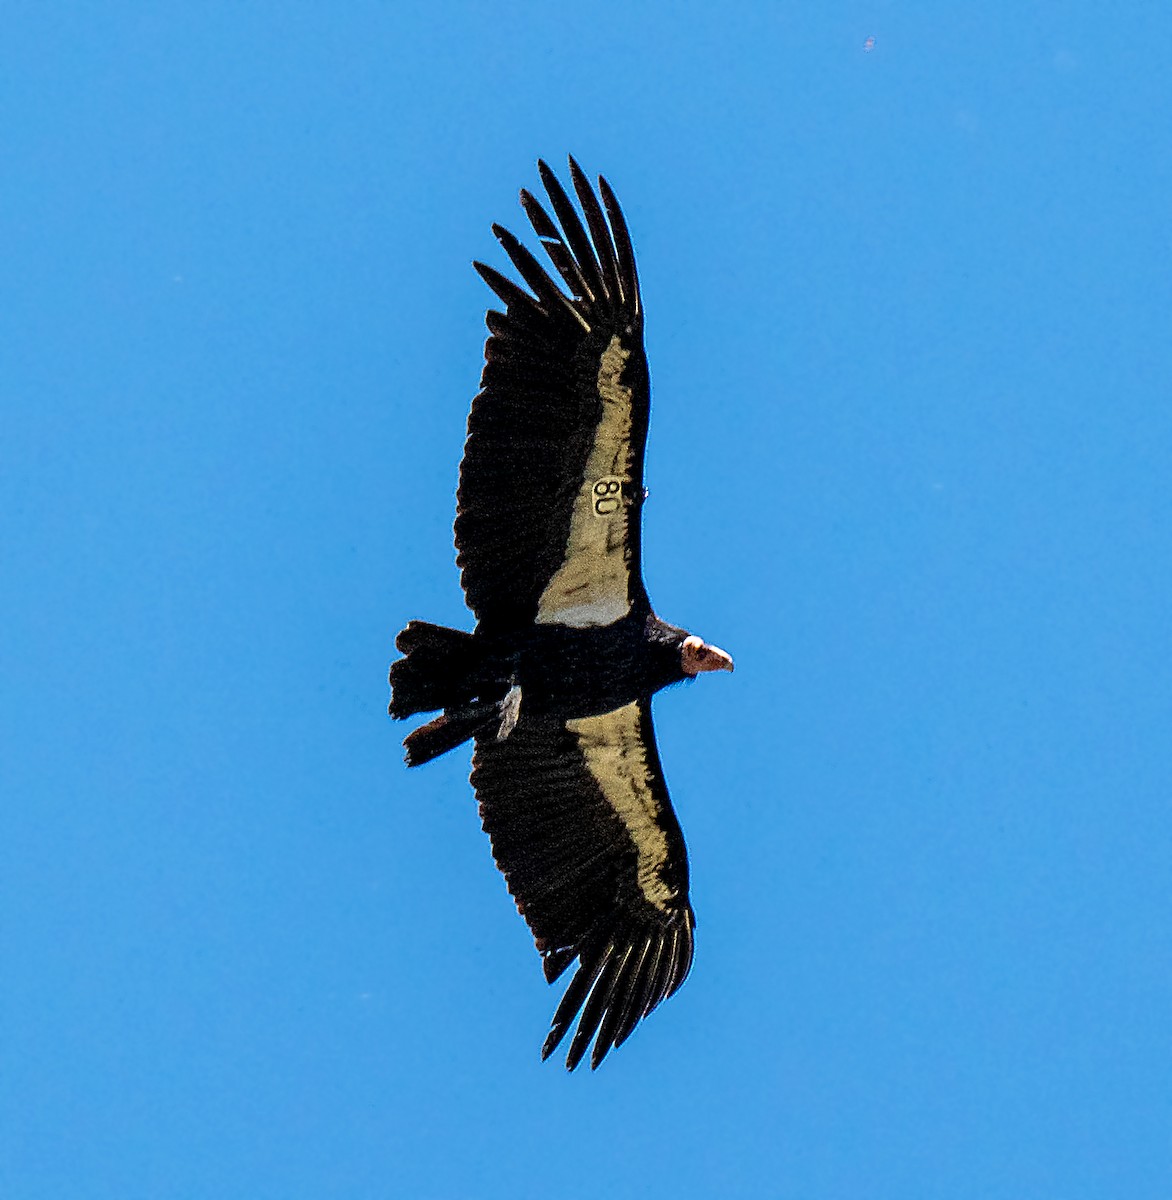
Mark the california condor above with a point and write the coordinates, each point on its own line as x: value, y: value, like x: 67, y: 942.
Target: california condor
x: 555, y: 682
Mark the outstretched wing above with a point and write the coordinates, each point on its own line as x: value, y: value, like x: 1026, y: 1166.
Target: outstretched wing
x: 551, y: 484
x: 583, y: 829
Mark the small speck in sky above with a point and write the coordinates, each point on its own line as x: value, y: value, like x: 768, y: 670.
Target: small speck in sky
x: 869, y: 44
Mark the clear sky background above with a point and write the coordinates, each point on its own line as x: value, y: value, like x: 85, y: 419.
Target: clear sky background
x: 910, y: 330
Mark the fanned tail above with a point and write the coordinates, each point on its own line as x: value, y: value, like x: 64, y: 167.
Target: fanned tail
x: 440, y: 669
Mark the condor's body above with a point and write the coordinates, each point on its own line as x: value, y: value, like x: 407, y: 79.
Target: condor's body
x: 555, y: 682
x: 566, y: 672
x: 583, y: 672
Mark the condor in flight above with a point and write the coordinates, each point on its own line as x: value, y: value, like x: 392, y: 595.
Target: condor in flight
x: 555, y: 683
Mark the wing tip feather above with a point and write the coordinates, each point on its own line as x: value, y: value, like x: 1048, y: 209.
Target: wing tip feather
x: 613, y: 991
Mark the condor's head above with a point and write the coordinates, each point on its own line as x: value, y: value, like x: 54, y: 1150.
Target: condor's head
x: 678, y: 655
x: 697, y: 655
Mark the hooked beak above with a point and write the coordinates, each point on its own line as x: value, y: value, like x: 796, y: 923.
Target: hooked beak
x: 696, y: 656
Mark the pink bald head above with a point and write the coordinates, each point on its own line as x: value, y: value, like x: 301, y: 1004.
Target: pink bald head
x: 696, y: 655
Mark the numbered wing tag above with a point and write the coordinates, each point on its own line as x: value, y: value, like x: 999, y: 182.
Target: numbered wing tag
x: 608, y: 495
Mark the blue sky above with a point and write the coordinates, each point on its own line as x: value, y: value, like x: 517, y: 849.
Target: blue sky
x: 911, y: 347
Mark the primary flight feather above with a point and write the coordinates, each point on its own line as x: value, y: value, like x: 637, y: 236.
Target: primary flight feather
x: 555, y: 682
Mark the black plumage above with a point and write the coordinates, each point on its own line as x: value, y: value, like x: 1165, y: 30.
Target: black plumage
x: 555, y: 683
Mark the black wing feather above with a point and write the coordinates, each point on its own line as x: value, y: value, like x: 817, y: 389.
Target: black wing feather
x: 547, y: 292
x: 576, y: 240
x: 511, y: 294
x: 595, y: 882
x: 534, y: 421
x: 624, y: 988
x: 622, y: 241
x: 636, y: 1007
x: 598, y: 231
x: 555, y: 246
x: 592, y: 960
x: 597, y: 1003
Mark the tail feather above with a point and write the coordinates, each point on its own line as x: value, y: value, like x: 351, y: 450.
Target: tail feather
x: 438, y: 670
x: 447, y: 732
x: 441, y: 669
